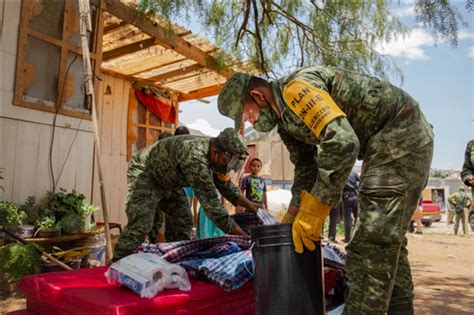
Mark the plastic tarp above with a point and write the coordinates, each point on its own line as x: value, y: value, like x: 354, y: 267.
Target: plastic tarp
x: 86, y: 291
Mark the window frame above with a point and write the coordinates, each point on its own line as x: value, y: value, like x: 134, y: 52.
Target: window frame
x: 22, y: 82
x: 132, y: 137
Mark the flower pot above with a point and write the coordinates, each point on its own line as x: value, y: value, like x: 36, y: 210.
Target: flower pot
x: 86, y: 224
x: 49, y: 233
x: 26, y: 231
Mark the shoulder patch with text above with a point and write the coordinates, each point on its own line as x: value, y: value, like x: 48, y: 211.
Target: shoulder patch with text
x: 313, y: 105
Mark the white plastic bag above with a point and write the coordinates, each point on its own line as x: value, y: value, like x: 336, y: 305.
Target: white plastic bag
x: 148, y: 274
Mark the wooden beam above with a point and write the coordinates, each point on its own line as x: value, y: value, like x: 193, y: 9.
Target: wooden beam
x: 128, y: 49
x: 171, y: 62
x: 112, y: 27
x: 163, y: 35
x: 115, y: 74
x: 201, y: 93
x: 170, y: 74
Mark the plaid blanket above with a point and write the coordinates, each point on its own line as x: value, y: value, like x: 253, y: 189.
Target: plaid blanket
x: 217, y: 259
x: 246, y: 220
x: 230, y: 272
x: 184, y: 250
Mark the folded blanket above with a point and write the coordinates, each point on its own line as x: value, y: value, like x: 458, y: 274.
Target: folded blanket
x: 183, y: 250
x: 230, y: 272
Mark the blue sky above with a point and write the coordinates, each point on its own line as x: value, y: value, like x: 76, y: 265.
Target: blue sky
x: 439, y: 77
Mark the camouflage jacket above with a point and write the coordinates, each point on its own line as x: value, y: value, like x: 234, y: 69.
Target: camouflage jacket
x: 381, y: 123
x: 468, y: 167
x: 460, y: 199
x: 182, y: 161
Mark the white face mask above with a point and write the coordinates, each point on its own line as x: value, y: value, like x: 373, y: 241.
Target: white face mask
x: 236, y: 163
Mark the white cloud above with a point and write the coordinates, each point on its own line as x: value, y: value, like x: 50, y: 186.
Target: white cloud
x: 465, y: 35
x: 405, y: 11
x: 410, y: 47
x: 203, y: 126
x: 470, y: 54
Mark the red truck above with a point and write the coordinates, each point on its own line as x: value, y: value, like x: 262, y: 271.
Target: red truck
x: 431, y: 212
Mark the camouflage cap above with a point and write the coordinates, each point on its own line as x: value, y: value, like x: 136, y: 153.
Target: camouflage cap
x: 231, y: 95
x: 231, y: 141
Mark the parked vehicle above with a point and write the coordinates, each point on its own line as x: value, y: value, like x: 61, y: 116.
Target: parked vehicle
x: 431, y: 213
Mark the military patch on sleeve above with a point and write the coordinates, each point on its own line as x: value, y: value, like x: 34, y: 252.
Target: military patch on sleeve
x: 313, y: 105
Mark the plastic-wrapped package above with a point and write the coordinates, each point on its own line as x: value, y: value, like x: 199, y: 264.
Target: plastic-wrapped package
x: 266, y: 217
x: 148, y: 274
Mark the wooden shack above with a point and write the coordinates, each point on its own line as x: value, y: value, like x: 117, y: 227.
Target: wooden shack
x: 46, y: 125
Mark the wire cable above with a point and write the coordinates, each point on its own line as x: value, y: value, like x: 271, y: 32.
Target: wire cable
x: 54, y: 124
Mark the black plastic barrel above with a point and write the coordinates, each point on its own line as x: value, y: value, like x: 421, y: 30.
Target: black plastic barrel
x: 286, y: 282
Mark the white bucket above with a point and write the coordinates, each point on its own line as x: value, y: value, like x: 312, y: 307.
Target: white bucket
x: 26, y: 231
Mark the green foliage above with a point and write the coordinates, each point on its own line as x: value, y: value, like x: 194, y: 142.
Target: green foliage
x: 64, y: 203
x: 13, y: 216
x: 47, y: 222
x: 276, y: 36
x: 71, y: 224
x: 438, y: 174
x: 70, y: 209
x: 18, y: 260
x: 441, y: 18
x: 32, y: 209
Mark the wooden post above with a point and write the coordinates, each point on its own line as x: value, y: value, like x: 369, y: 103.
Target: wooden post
x: 85, y: 26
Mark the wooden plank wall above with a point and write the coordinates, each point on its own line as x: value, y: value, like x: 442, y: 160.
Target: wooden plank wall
x: 112, y: 107
x: 26, y: 137
x: 275, y: 158
x: 26, y: 134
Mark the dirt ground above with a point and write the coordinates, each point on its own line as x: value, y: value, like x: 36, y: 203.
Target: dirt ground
x: 442, y: 267
x: 443, y: 271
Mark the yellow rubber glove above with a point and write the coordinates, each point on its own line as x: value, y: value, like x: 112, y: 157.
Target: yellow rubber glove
x: 288, y: 218
x: 309, y: 222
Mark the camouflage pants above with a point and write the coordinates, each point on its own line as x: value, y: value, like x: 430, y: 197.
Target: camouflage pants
x: 146, y: 202
x: 377, y: 263
x: 460, y: 217
x: 172, y: 212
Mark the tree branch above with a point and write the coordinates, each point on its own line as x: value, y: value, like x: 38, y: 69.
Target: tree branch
x: 243, y: 27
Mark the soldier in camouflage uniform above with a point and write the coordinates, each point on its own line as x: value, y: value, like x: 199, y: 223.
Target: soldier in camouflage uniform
x: 156, y: 177
x: 467, y: 174
x: 328, y: 117
x: 460, y: 203
x: 159, y: 215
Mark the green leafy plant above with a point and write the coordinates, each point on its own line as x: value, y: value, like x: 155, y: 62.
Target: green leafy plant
x: 18, y: 260
x: 11, y: 214
x: 32, y: 209
x: 71, y: 224
x: 87, y: 209
x: 47, y: 223
x: 63, y: 203
x: 71, y: 209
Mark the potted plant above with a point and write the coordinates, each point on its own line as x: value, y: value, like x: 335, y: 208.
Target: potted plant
x: 86, y: 211
x: 47, y: 227
x: 71, y: 224
x: 32, y: 209
x: 10, y: 216
x: 72, y: 210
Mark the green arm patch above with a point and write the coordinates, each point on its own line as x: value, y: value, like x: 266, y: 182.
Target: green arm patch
x: 313, y: 105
